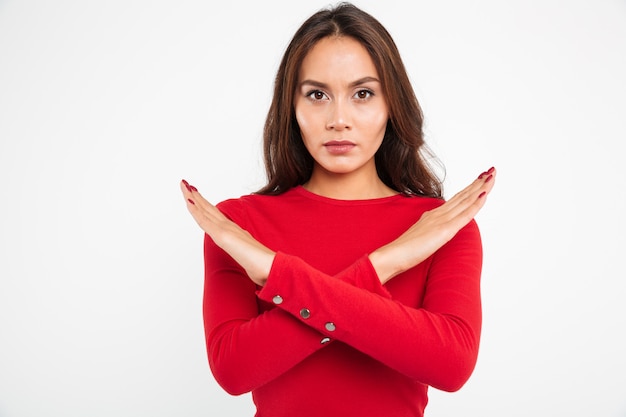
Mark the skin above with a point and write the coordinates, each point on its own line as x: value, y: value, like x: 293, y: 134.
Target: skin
x: 339, y: 97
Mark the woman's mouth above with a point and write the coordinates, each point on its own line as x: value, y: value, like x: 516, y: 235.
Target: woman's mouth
x: 339, y: 147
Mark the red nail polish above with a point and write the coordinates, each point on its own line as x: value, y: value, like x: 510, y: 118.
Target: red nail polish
x: 489, y: 178
x: 187, y: 185
x: 191, y: 201
x: 482, y: 194
x: 480, y: 177
x: 490, y: 170
x: 193, y: 188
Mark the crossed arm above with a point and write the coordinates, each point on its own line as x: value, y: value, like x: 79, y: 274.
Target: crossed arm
x: 434, y: 229
x: 246, y: 349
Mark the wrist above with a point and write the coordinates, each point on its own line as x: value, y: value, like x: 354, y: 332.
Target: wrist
x: 265, y: 267
x: 384, y: 265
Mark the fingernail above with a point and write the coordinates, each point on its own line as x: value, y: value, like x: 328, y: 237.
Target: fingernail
x: 490, y: 170
x: 193, y: 188
x: 482, y: 175
x: 191, y: 201
x: 489, y: 178
x: 482, y: 194
x: 187, y: 185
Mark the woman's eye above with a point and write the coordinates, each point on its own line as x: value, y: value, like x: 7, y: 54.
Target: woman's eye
x: 316, y: 95
x: 363, y: 94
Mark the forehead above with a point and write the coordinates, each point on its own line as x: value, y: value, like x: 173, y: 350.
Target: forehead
x: 338, y: 56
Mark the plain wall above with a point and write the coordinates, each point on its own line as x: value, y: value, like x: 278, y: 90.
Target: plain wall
x: 105, y: 106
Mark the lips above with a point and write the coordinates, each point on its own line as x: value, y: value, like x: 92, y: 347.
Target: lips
x: 339, y: 147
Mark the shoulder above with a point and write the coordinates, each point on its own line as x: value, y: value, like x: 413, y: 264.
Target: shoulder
x: 241, y: 208
x: 428, y: 203
x: 417, y: 204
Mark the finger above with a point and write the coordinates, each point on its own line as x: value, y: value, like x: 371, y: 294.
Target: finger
x: 187, y: 190
x: 474, y: 207
x: 207, y: 209
x: 190, y: 192
x: 466, y: 197
x: 464, y: 206
x: 476, y: 185
x: 201, y: 209
x: 477, y: 192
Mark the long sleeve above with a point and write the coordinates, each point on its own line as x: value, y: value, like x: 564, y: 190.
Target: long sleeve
x: 436, y: 344
x: 247, y: 349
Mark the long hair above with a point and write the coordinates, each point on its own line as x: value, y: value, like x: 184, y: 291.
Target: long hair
x: 402, y: 159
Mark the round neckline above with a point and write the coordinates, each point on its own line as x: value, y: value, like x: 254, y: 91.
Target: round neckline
x: 312, y: 196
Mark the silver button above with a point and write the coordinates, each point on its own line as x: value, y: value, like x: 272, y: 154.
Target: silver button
x: 330, y: 326
x: 277, y: 299
x: 305, y: 313
x: 325, y: 340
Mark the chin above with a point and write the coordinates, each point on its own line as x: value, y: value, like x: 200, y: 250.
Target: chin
x: 338, y: 169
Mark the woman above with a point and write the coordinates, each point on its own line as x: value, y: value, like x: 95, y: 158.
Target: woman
x: 346, y: 286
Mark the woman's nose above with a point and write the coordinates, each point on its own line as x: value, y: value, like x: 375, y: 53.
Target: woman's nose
x: 339, y: 116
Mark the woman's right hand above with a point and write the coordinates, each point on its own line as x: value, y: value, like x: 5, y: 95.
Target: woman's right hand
x: 248, y: 252
x: 433, y: 230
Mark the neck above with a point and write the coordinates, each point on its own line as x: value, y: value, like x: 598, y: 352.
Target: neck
x: 347, y: 187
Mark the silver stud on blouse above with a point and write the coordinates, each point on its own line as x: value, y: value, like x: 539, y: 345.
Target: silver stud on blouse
x: 330, y: 326
x: 305, y: 313
x: 325, y: 340
x: 277, y: 299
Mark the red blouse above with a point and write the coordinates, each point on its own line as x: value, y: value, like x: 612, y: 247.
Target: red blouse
x: 323, y: 337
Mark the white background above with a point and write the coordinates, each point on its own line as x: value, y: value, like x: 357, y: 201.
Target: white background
x: 105, y: 106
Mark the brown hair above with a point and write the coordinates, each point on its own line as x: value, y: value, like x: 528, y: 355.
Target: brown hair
x: 401, y: 160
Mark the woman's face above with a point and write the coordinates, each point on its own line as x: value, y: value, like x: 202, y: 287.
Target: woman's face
x: 340, y: 107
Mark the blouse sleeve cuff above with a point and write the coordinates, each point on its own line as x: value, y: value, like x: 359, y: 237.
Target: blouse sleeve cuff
x: 363, y: 275
x: 282, y: 276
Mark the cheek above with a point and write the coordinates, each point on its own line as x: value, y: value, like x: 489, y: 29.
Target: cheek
x: 377, y: 121
x: 374, y: 115
x: 381, y: 121
x: 307, y: 122
x: 300, y: 117
x: 304, y: 124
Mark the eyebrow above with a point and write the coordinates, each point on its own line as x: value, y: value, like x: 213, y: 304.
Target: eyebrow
x: 352, y: 84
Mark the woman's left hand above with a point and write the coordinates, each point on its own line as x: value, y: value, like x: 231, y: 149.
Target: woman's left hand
x: 248, y: 252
